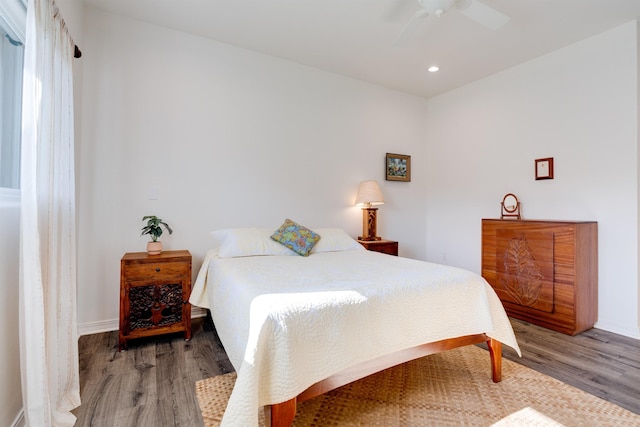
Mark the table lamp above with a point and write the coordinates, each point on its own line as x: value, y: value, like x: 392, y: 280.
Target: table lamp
x: 369, y: 195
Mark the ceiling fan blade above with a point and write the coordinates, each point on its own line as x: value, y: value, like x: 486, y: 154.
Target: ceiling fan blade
x: 399, y: 9
x: 483, y: 14
x: 410, y: 27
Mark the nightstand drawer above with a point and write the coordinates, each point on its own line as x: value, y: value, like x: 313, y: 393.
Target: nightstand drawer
x: 383, y: 246
x: 391, y: 248
x: 151, y: 270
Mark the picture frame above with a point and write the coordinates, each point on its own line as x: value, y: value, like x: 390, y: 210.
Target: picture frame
x: 544, y: 168
x: 398, y: 167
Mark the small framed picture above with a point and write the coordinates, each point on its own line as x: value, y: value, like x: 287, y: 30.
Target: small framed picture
x: 544, y: 168
x: 398, y: 167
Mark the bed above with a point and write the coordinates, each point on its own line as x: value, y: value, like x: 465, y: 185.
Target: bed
x: 297, y: 326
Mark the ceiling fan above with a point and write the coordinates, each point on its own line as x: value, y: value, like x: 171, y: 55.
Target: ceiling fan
x: 472, y: 9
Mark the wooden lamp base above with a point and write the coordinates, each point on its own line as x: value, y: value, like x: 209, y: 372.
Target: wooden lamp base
x: 369, y: 224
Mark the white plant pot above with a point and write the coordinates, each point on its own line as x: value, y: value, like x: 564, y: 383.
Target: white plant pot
x: 154, y: 248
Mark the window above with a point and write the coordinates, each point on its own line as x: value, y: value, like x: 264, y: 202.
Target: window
x: 12, y: 29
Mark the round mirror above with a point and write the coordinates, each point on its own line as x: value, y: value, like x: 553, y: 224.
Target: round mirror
x: 510, y: 203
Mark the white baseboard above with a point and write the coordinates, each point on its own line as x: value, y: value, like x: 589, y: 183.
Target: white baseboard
x: 617, y: 329
x: 114, y: 324
x: 98, y: 327
x: 198, y: 312
x: 19, y: 421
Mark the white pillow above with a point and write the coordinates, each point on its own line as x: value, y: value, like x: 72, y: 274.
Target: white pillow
x: 334, y: 240
x: 241, y: 242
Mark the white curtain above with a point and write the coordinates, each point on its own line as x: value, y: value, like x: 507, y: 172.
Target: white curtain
x: 48, y: 325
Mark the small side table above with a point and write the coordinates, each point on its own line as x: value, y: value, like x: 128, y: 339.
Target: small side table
x: 154, y: 295
x: 384, y: 246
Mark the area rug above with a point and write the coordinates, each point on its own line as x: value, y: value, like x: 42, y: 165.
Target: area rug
x: 446, y: 389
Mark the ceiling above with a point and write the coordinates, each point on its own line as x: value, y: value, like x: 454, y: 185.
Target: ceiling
x: 356, y: 38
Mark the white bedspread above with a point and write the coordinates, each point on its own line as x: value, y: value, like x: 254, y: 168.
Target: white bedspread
x: 287, y: 322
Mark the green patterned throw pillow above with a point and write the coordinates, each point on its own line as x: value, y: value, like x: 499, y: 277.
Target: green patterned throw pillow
x: 296, y: 237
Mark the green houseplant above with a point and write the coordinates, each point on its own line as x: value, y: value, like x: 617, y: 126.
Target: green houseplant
x: 154, y: 229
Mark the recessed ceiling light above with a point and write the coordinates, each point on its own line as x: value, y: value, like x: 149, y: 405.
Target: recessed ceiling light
x: 433, y: 68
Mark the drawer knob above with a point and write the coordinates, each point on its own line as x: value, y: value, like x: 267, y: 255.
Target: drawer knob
x: 158, y: 270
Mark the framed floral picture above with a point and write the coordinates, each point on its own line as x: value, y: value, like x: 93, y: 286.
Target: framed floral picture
x: 398, y: 167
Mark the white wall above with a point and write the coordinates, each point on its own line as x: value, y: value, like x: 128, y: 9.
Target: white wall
x: 578, y: 105
x: 226, y: 138
x: 10, y: 395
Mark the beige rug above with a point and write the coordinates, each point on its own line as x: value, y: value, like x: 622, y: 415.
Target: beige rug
x: 446, y: 389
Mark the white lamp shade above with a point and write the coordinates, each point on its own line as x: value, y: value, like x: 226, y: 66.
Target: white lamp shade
x: 369, y: 194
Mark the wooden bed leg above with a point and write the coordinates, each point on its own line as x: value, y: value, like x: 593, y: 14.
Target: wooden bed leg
x: 495, y: 351
x: 281, y: 414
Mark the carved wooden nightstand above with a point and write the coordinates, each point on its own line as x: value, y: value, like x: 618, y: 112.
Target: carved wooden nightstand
x: 154, y: 295
x: 384, y: 246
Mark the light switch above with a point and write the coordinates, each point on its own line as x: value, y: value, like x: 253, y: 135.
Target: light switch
x: 153, y: 192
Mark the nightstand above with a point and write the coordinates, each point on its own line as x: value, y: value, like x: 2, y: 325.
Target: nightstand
x: 154, y: 295
x: 384, y: 246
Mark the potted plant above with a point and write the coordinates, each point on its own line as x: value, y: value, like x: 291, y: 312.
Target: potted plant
x: 154, y: 229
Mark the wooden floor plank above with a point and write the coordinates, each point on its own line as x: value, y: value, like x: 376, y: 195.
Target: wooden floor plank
x: 153, y: 383
x: 601, y: 363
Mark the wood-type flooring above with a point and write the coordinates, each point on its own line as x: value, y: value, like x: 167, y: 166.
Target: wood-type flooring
x: 153, y: 382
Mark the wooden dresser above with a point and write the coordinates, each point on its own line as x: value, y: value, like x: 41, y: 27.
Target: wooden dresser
x: 544, y: 272
x: 154, y: 295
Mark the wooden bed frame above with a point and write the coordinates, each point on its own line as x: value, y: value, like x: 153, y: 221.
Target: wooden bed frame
x: 282, y: 414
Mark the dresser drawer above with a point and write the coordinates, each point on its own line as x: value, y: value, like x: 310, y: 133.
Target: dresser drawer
x: 151, y: 270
